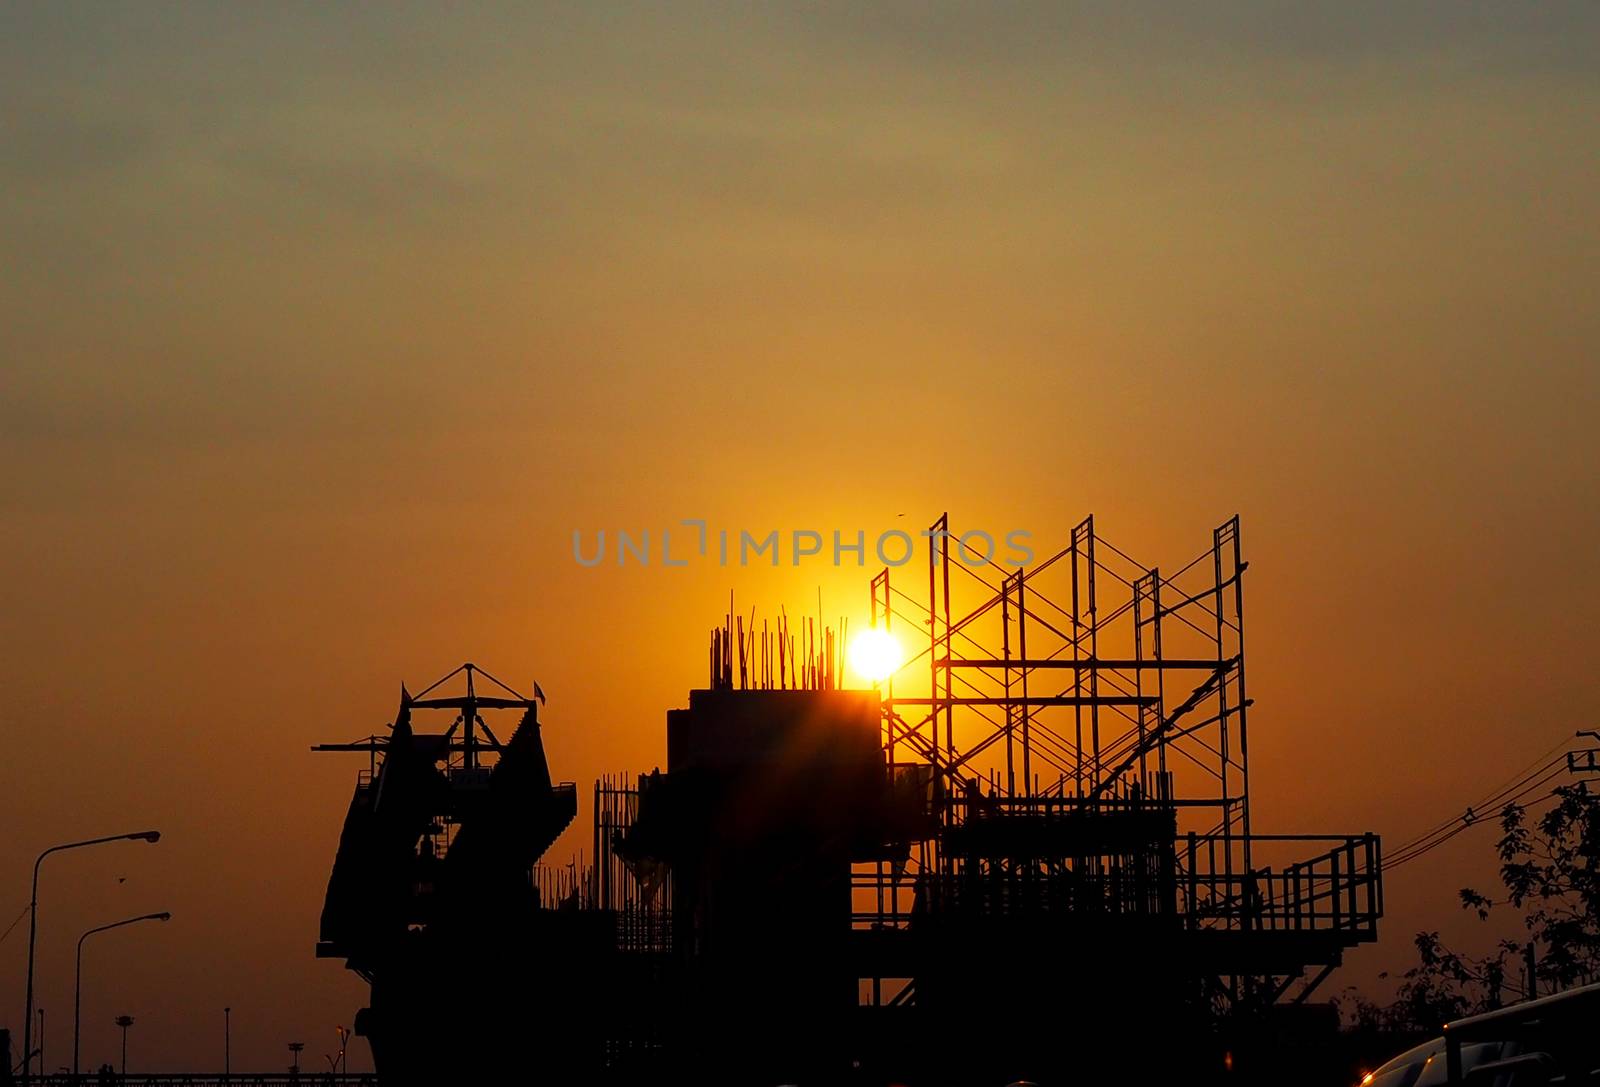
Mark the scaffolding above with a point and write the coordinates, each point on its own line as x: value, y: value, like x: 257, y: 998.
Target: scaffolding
x: 1079, y: 729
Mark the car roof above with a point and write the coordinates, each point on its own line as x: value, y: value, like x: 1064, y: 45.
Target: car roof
x: 1411, y: 1056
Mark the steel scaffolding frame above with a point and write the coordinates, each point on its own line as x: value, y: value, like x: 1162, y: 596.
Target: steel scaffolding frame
x: 984, y: 712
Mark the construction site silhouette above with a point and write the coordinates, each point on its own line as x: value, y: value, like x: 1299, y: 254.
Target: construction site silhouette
x: 1026, y: 853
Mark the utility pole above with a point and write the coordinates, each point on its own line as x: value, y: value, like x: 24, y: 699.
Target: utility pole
x: 1586, y: 761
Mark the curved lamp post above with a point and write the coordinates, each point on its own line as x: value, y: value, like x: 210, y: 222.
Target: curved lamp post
x: 33, y: 929
x: 77, y: 984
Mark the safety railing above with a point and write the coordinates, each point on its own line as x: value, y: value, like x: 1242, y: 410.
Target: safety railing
x: 1337, y: 890
x: 304, y: 1078
x: 1192, y: 882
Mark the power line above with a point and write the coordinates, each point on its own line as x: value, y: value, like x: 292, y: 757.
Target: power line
x: 1468, y: 819
x: 1433, y: 841
x: 1473, y: 812
x: 1538, y: 766
x: 15, y: 923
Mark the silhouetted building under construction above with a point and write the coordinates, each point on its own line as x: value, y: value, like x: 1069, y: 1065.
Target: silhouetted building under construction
x: 1027, y: 852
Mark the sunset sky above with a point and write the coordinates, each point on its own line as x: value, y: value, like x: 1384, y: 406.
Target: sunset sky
x: 322, y: 330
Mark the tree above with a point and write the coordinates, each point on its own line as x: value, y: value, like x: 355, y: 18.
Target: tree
x: 1551, y: 870
x: 1446, y: 985
x: 1550, y: 866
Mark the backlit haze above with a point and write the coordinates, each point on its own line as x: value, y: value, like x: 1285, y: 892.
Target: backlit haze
x: 323, y: 329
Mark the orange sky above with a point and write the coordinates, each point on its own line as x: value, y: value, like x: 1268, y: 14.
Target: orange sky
x: 322, y: 330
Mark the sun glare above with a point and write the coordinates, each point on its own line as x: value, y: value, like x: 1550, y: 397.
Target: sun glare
x: 875, y: 655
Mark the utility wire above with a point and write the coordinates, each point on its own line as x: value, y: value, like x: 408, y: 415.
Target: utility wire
x: 1431, y: 842
x: 1487, y: 803
x: 15, y: 923
x: 1472, y: 815
x: 1529, y: 786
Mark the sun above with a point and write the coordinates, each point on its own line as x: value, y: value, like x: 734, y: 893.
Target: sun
x: 875, y: 655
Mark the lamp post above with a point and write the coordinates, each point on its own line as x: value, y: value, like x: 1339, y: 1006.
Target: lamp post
x: 33, y: 929
x: 227, y: 1041
x: 77, y: 987
x: 124, y: 1021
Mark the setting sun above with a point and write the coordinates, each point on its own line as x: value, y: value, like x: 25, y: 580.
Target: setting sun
x: 875, y: 655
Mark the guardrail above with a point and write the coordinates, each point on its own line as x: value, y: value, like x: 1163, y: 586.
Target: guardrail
x: 1339, y: 890
x: 305, y: 1078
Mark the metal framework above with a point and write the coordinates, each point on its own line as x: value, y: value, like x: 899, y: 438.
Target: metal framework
x: 1082, y: 730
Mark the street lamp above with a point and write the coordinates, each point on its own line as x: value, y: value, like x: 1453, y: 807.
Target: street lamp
x: 33, y: 929
x: 124, y: 1021
x: 227, y: 1041
x: 77, y: 987
x: 295, y: 1048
